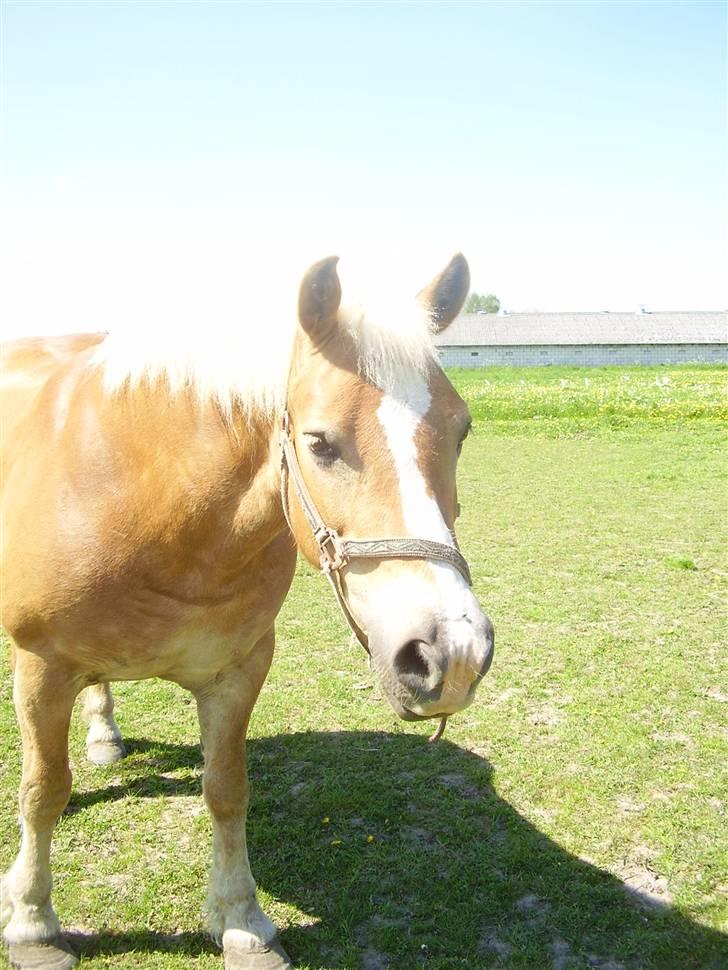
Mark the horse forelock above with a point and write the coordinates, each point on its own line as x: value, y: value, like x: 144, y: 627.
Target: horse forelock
x: 390, y: 342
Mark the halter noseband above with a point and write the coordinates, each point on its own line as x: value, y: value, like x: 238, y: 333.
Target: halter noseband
x: 336, y: 552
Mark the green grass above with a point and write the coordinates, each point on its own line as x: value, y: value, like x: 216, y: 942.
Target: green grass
x: 573, y: 401
x: 592, y: 761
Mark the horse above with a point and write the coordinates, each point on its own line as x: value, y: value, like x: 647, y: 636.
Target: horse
x: 152, y: 510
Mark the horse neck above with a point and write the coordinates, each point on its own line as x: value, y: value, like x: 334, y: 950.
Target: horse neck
x: 227, y: 462
x: 257, y: 452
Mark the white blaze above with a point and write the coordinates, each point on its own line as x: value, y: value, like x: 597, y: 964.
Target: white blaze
x: 400, y: 415
x: 454, y: 606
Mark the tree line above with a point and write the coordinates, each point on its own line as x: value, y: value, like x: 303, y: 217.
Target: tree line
x: 482, y: 303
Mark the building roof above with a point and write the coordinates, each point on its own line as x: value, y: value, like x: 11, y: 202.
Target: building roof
x: 529, y: 329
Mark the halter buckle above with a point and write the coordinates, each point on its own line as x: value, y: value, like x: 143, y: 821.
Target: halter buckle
x: 331, y: 548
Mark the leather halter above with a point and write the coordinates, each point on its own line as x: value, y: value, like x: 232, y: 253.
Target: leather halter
x: 336, y: 552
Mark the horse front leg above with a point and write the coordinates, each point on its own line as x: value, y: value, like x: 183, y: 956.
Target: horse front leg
x: 248, y: 937
x: 44, y: 694
x: 104, y: 744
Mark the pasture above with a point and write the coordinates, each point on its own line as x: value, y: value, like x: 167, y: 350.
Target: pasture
x: 573, y: 817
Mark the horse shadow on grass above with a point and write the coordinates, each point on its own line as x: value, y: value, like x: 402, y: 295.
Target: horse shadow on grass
x: 403, y: 856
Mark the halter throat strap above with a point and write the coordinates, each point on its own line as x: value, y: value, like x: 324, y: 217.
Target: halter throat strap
x: 335, y: 553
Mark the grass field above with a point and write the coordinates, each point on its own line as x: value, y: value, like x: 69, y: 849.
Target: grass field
x: 574, y: 817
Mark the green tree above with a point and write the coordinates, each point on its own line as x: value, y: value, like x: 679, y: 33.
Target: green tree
x: 482, y: 303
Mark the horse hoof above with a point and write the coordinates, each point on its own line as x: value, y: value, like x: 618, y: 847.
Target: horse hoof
x: 54, y: 955
x: 105, y: 752
x: 269, y: 956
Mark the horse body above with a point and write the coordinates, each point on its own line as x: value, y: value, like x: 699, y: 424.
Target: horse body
x: 144, y: 536
x: 125, y: 560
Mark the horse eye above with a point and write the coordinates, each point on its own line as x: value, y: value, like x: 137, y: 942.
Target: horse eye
x: 320, y: 448
x: 462, y: 440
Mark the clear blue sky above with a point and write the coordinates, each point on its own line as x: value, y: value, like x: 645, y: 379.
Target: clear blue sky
x: 576, y: 152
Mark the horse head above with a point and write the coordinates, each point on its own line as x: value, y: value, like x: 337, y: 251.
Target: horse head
x: 373, y: 431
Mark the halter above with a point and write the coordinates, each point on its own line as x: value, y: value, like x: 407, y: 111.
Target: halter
x: 335, y: 552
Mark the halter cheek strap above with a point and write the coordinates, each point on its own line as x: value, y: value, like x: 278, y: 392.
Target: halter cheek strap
x: 335, y: 552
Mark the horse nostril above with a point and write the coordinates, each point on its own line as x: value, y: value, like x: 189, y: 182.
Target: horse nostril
x: 409, y: 660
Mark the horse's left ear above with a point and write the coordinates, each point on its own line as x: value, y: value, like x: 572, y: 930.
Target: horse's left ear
x: 319, y: 298
x: 445, y: 295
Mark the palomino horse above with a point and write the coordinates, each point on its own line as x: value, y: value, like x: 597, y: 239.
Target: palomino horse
x: 145, y: 535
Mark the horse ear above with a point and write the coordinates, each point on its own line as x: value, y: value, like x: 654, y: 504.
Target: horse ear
x: 445, y: 295
x: 319, y: 297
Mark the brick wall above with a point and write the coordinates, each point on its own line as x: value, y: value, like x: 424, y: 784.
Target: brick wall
x: 588, y: 355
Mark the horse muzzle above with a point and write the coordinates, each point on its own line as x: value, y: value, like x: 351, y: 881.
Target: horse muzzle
x: 434, y: 671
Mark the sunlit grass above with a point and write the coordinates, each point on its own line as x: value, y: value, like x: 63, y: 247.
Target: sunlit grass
x: 564, y: 401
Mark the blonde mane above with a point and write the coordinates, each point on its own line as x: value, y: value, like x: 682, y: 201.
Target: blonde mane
x: 246, y: 365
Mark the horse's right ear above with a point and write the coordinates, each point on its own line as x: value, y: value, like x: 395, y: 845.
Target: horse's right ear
x: 319, y: 298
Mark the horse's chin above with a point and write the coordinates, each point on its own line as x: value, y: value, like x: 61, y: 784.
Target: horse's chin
x: 436, y: 710
x: 401, y: 711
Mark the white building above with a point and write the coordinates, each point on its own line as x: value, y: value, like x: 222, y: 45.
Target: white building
x: 591, y: 339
